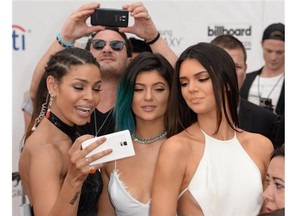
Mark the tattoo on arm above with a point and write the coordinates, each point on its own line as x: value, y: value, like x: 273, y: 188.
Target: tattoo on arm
x: 73, y: 200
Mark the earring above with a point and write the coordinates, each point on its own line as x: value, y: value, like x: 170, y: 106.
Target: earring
x: 42, y: 112
x: 49, y: 106
x: 40, y: 117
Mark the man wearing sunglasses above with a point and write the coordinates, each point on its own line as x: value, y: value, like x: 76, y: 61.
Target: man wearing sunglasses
x: 99, y: 44
x: 112, y: 50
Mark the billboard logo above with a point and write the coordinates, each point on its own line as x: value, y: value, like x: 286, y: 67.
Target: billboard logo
x: 241, y: 31
x: 235, y: 31
x: 18, y: 38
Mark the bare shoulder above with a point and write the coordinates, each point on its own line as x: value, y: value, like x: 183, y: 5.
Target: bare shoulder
x: 37, y: 152
x: 257, y: 146
x: 255, y: 141
x: 177, y: 144
x: 36, y: 145
x: 182, y: 145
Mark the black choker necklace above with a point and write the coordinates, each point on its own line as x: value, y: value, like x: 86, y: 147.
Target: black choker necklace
x: 68, y: 130
x: 140, y: 140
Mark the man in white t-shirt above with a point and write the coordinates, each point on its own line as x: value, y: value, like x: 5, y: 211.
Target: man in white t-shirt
x: 265, y: 87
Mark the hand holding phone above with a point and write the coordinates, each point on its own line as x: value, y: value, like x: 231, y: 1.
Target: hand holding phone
x: 110, y: 17
x: 120, y: 143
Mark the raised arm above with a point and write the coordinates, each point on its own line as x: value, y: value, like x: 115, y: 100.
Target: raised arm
x: 75, y: 27
x: 145, y: 28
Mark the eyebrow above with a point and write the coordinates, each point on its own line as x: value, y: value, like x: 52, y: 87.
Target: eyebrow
x: 276, y: 178
x: 86, y: 81
x: 157, y: 83
x: 195, y: 75
x: 109, y: 41
x: 279, y: 179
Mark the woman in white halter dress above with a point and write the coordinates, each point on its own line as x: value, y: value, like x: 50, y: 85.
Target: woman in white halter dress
x: 210, y: 167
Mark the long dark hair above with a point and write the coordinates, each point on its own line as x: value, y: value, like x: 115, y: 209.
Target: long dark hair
x: 222, y: 72
x: 279, y: 151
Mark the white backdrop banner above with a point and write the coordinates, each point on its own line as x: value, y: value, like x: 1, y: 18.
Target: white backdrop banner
x: 181, y: 23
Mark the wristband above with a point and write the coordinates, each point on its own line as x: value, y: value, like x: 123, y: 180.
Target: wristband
x: 154, y: 40
x: 63, y: 43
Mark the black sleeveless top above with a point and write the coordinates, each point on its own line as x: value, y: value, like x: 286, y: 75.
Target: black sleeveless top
x: 105, y: 124
x: 93, y: 185
x: 90, y: 193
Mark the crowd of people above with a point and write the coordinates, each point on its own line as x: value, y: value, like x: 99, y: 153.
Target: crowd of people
x: 202, y: 145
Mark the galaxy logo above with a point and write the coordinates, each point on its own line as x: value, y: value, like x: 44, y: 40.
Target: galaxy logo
x: 18, y: 38
x: 170, y: 38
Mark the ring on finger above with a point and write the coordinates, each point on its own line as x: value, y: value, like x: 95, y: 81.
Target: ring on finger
x: 87, y: 159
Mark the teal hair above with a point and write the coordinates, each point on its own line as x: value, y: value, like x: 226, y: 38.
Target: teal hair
x: 123, y: 110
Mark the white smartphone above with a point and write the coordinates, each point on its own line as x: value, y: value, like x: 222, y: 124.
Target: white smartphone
x: 120, y: 143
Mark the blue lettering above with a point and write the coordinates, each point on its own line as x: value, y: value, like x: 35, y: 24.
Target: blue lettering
x: 18, y: 38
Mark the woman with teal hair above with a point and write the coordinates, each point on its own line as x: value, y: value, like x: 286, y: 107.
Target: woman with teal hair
x: 141, y: 108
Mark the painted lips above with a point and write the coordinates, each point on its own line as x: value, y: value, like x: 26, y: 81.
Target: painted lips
x: 148, y: 108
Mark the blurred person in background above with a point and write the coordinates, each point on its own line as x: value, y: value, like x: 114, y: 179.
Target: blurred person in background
x: 265, y: 87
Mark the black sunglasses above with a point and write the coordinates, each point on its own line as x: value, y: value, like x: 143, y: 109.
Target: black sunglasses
x: 100, y: 44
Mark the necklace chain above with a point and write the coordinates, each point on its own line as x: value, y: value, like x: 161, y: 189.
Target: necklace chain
x: 258, y: 86
x: 96, y: 129
x: 140, y: 140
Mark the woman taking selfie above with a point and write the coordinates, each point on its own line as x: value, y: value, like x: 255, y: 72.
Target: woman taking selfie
x: 55, y: 172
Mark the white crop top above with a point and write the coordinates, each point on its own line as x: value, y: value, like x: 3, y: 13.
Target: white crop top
x: 123, y: 202
x: 227, y: 182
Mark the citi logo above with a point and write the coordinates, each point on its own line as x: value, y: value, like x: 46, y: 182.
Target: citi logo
x: 222, y: 30
x: 18, y: 38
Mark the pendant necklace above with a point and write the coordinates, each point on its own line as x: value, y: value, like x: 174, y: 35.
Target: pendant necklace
x: 140, y: 140
x: 101, y: 126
